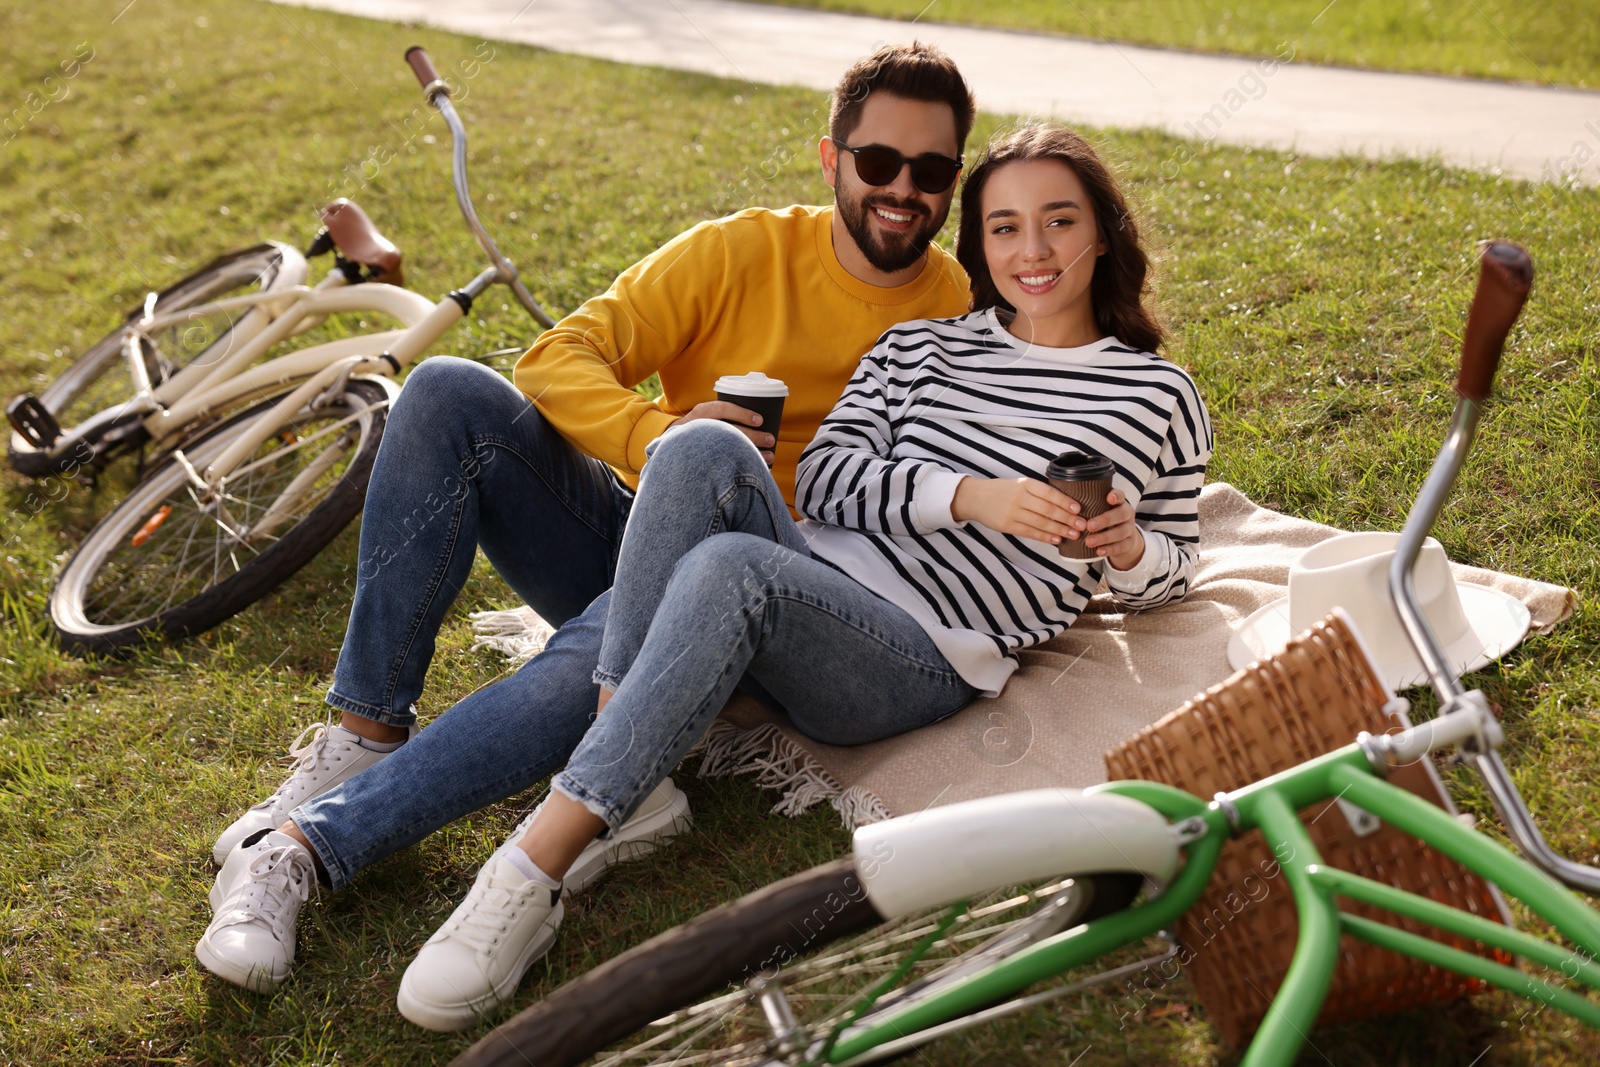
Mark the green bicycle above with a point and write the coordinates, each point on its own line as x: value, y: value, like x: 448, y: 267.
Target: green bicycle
x: 921, y: 931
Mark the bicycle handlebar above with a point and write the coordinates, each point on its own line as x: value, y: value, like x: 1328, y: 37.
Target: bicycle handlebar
x: 439, y: 97
x: 1504, y: 279
x: 1503, y: 285
x: 422, y: 66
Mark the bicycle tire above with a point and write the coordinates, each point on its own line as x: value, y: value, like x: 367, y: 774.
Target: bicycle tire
x: 83, y: 389
x: 112, y: 560
x: 703, y: 957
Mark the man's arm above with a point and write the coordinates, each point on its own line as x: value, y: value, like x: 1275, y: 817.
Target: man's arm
x: 581, y: 372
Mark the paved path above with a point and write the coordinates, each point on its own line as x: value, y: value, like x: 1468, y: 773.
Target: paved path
x: 1523, y: 131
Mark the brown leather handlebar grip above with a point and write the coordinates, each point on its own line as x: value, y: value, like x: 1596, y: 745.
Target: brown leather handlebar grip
x: 421, y: 65
x: 1504, y: 279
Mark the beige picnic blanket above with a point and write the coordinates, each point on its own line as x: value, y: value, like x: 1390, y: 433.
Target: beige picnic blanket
x: 1074, y: 697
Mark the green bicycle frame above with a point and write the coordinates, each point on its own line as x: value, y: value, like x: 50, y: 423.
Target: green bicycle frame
x: 1270, y: 806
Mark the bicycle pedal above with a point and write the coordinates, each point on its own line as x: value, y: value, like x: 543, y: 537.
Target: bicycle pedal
x: 30, y: 418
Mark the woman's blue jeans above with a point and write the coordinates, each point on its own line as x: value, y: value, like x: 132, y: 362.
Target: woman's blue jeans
x: 714, y: 581
x: 465, y: 462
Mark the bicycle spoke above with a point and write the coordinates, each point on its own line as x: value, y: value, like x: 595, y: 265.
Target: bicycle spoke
x: 129, y: 587
x: 216, y: 560
x: 188, y: 542
x: 828, y: 988
x: 187, y: 583
x: 199, y: 543
x: 681, y: 1053
x: 301, y: 442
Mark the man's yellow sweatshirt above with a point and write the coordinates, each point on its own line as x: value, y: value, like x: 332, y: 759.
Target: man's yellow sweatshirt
x: 758, y: 291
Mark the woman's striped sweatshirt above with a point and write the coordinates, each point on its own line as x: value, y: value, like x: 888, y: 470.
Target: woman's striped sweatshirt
x: 936, y: 400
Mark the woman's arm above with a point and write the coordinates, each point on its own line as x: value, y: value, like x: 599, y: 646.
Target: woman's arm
x: 846, y: 476
x: 1168, y: 515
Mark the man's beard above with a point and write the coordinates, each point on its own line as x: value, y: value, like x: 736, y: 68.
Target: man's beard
x: 888, y: 252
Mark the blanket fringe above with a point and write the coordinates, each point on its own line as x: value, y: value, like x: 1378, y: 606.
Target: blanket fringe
x: 858, y: 806
x: 776, y: 761
x: 779, y: 763
x: 517, y: 633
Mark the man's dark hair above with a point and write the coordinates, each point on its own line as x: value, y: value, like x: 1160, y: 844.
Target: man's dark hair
x: 913, y: 71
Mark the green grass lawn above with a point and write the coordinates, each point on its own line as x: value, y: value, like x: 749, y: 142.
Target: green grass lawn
x: 1318, y: 303
x: 1556, y: 43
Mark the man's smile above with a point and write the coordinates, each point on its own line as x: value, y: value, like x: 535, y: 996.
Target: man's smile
x: 894, y: 219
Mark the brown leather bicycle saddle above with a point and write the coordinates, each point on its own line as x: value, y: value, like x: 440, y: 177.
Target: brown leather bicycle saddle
x: 358, y: 239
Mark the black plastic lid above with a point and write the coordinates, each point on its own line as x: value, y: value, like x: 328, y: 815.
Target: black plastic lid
x: 1079, y: 467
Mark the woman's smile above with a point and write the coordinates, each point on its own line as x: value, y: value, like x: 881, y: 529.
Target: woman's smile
x: 1038, y: 282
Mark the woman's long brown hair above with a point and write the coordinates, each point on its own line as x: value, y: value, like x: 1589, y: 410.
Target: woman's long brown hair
x: 1118, y: 287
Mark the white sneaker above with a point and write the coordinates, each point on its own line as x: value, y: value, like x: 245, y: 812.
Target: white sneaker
x: 664, y: 814
x: 324, y: 756
x: 255, y: 900
x: 474, y: 962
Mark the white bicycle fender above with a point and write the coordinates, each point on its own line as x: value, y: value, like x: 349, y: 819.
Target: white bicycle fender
x: 390, y: 386
x: 945, y: 854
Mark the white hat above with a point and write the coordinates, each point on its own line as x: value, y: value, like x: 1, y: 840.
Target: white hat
x: 1474, y: 623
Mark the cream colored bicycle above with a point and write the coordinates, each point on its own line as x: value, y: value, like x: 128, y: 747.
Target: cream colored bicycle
x: 243, y: 491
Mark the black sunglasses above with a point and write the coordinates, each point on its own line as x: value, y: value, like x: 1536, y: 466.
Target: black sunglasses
x: 878, y: 164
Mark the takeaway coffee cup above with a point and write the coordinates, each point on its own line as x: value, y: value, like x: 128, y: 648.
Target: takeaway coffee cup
x: 760, y: 394
x: 1087, y: 479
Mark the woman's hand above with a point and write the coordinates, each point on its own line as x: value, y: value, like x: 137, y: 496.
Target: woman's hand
x: 1113, y: 534
x: 1025, y: 507
x: 1037, y: 510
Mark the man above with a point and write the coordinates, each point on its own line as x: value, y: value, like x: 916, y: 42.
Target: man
x: 544, y: 488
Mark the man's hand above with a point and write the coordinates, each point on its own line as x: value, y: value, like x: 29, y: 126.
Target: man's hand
x: 743, y: 418
x: 1037, y: 510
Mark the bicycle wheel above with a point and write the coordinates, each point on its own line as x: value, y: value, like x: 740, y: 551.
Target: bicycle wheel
x: 168, y: 560
x: 99, y: 379
x: 814, y: 936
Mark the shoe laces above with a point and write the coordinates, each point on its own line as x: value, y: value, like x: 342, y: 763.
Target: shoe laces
x: 487, y: 914
x: 274, y: 877
x: 309, y: 751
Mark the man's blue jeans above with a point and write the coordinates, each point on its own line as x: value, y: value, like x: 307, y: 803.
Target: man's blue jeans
x: 466, y: 461
x: 714, y: 581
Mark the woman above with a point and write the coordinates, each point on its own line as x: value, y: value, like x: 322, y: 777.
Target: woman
x: 928, y: 556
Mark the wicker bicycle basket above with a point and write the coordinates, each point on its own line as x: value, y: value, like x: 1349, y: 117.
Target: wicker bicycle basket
x: 1307, y: 700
